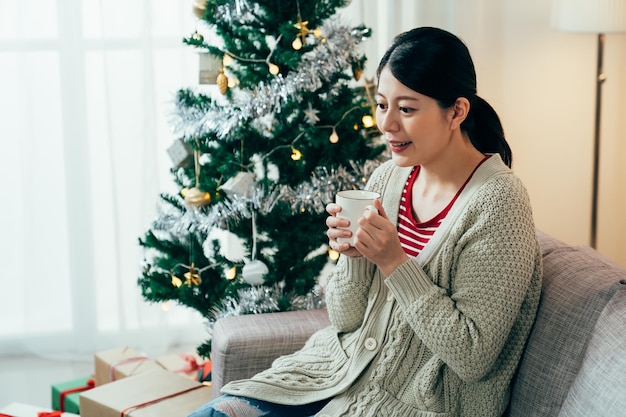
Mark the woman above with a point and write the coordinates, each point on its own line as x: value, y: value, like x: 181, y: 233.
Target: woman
x: 432, y: 306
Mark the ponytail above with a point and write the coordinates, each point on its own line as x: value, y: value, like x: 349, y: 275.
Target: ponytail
x: 485, y: 130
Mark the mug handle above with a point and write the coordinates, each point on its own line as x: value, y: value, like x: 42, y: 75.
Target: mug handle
x: 371, y: 208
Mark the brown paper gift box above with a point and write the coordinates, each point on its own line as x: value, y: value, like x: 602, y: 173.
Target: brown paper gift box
x: 156, y: 393
x: 119, y: 363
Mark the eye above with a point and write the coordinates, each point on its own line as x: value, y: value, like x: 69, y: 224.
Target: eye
x: 381, y: 106
x: 405, y: 109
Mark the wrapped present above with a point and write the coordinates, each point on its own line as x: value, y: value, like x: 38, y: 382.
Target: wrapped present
x: 25, y: 410
x: 114, y: 364
x: 65, y: 395
x: 190, y: 365
x: 155, y: 393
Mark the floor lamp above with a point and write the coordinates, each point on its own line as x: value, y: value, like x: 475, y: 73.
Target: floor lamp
x: 598, y: 17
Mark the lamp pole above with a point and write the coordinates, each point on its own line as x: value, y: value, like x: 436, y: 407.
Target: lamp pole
x: 600, y: 78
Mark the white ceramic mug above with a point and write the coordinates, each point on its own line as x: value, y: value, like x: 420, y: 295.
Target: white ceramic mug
x: 353, y: 204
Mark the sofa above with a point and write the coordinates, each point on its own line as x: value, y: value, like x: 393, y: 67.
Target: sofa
x: 573, y: 365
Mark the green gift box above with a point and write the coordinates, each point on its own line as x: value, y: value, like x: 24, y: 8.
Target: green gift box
x: 66, y: 395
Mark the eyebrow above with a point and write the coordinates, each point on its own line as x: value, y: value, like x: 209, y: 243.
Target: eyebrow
x: 411, y: 98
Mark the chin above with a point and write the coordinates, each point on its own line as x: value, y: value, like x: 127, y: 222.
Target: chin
x: 401, y: 161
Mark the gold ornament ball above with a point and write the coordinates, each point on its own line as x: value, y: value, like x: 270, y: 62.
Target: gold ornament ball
x: 197, y: 198
x: 199, y: 8
x: 197, y: 37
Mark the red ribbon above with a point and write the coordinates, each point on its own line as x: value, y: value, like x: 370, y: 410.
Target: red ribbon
x: 123, y: 362
x: 40, y: 414
x: 90, y: 384
x: 191, y: 364
x: 147, y: 403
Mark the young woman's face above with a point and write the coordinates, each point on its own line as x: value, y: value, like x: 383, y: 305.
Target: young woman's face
x: 415, y: 127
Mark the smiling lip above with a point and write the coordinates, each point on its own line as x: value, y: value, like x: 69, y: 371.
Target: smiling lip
x: 398, y: 146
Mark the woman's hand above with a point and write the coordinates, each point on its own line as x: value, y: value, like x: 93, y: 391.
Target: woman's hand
x: 377, y: 239
x: 333, y: 222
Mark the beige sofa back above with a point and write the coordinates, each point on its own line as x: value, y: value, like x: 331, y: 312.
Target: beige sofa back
x: 583, y: 301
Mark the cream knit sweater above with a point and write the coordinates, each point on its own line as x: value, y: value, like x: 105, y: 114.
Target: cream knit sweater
x: 442, y: 335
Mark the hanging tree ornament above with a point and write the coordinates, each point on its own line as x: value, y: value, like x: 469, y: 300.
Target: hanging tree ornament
x: 194, y: 196
x: 241, y: 185
x: 254, y: 271
x: 197, y: 37
x: 199, y: 8
x: 311, y: 115
x: 301, y: 36
x: 222, y: 81
x: 180, y: 153
x: 191, y: 276
x: 303, y: 31
x: 357, y: 68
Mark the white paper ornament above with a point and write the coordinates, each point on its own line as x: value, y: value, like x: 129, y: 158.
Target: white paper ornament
x: 253, y: 272
x: 180, y: 153
x: 240, y: 185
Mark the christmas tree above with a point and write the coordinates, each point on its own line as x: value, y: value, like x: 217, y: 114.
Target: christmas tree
x: 290, y: 124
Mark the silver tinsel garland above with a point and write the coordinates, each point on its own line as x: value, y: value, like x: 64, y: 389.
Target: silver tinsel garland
x: 331, y: 55
x: 311, y: 196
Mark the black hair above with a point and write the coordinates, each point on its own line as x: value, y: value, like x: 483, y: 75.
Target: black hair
x: 436, y: 63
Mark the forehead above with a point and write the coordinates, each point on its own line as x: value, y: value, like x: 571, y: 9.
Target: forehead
x: 390, y: 88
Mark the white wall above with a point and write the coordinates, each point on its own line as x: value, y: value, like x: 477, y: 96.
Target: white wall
x: 542, y: 83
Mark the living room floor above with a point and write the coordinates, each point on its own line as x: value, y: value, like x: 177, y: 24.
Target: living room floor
x: 28, y: 379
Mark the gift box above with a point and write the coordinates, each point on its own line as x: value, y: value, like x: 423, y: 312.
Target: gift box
x: 25, y: 410
x: 155, y: 393
x: 118, y: 363
x: 65, y: 395
x: 190, y: 365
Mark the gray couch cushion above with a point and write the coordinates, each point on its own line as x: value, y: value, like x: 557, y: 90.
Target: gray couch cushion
x: 599, y: 389
x: 577, y: 284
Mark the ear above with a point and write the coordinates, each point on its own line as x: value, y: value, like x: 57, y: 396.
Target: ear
x: 459, y: 111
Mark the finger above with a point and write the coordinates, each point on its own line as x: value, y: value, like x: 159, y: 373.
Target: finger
x: 381, y: 210
x: 334, y: 222
x: 333, y: 208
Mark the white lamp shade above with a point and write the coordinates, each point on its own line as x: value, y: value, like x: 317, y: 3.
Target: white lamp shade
x: 598, y: 16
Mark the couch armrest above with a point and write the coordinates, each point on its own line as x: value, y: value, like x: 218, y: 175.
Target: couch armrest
x: 244, y: 345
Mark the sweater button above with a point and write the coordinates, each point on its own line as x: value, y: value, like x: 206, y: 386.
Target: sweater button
x: 370, y: 343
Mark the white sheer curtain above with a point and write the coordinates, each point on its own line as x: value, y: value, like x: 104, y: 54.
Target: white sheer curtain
x: 475, y: 21
x: 85, y: 87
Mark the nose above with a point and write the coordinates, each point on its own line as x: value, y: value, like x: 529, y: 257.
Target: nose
x: 386, y: 121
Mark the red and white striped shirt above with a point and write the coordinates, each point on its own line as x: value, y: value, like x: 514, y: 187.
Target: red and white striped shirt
x: 414, y: 235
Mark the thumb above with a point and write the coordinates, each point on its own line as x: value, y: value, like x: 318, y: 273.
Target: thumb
x: 379, y: 206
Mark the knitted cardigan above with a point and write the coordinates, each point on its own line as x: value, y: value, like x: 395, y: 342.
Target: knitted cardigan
x: 443, y: 334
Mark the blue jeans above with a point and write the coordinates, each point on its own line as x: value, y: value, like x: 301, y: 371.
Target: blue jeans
x: 233, y: 406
